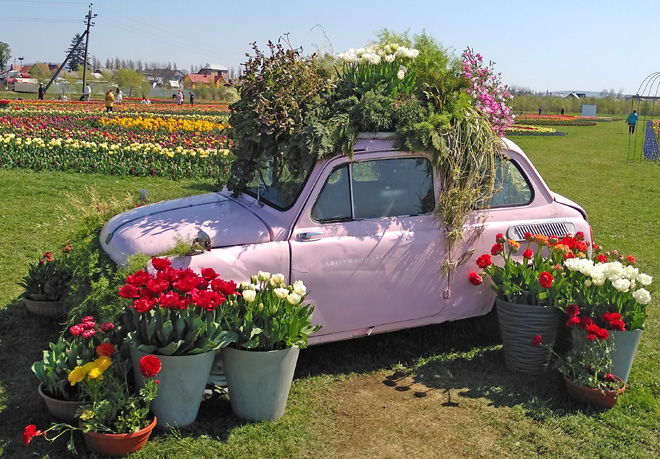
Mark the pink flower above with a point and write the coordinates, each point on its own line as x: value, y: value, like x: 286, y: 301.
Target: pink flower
x: 107, y: 326
x: 475, y: 279
x: 537, y: 340
x: 76, y: 330
x: 87, y: 334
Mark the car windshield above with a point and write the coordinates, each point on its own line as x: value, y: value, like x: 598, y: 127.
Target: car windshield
x: 278, y: 185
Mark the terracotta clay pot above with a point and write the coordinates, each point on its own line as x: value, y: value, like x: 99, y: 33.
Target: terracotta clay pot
x: 118, y: 445
x: 604, y: 398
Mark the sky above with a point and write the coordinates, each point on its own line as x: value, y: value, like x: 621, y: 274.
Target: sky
x: 544, y: 46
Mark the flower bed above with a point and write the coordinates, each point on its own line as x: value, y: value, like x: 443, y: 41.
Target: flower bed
x: 521, y: 129
x: 555, y: 120
x: 68, y: 136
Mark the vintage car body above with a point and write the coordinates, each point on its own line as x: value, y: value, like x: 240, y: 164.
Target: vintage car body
x: 370, y: 252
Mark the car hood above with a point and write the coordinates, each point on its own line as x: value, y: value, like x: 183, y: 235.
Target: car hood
x: 155, y: 228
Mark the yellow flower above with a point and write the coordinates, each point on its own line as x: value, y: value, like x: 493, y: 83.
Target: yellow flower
x: 95, y: 373
x: 88, y: 367
x: 103, y: 362
x: 76, y: 375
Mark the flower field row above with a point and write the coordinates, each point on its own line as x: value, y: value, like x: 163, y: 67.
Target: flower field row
x: 522, y: 129
x: 126, y: 143
x: 97, y: 106
x: 555, y: 120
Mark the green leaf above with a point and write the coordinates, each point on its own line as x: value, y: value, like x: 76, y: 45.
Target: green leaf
x: 171, y: 348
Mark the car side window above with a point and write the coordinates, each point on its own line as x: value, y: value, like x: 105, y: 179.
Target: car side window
x: 334, y: 201
x: 379, y: 189
x: 513, y: 188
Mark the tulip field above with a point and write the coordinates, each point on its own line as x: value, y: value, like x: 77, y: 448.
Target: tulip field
x: 164, y: 140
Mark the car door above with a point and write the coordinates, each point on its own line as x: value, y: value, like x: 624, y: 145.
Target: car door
x: 367, y: 246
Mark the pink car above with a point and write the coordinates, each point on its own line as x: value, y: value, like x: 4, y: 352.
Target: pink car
x: 361, y: 234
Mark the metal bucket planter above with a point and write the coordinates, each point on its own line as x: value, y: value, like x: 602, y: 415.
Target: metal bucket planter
x: 519, y: 323
x: 625, y: 348
x: 259, y: 382
x: 182, y: 380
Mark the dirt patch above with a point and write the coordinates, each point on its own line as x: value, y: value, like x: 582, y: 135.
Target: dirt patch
x: 384, y: 415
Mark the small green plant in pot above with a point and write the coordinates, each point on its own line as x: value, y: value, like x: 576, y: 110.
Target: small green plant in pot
x: 46, y: 285
x: 587, y: 367
x: 77, y: 347
x: 272, y: 324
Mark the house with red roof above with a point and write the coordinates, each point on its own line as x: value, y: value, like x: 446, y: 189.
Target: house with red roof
x: 211, y: 75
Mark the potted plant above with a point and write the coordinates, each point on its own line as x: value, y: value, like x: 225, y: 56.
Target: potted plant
x: 46, y: 286
x: 115, y: 418
x: 77, y: 347
x: 271, y: 324
x: 587, y: 368
x: 529, y: 290
x: 612, y: 291
x: 295, y: 109
x: 177, y: 315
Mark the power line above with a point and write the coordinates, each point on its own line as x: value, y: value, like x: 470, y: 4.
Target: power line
x: 22, y: 19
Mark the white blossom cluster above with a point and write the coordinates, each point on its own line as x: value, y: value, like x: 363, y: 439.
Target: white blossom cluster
x: 623, y: 278
x: 375, y: 55
x: 292, y: 294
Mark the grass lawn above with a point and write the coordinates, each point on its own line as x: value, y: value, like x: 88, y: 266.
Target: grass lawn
x: 440, y: 391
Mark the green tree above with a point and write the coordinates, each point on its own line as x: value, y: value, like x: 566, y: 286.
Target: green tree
x: 5, y: 54
x: 78, y: 53
x: 134, y: 81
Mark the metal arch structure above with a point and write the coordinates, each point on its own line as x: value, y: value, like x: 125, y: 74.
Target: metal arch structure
x: 649, y: 90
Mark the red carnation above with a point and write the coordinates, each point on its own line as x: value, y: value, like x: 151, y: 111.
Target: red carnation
x: 169, y: 300
x: 572, y: 321
x: 545, y: 279
x: 609, y: 377
x: 602, y: 334
x: 537, y: 340
x: 500, y: 238
x: 149, y: 365
x: 475, y: 279
x: 187, y: 283
x: 585, y: 322
x: 631, y: 259
x: 105, y: 349
x: 591, y: 337
x: 617, y: 325
x: 138, y: 279
x: 484, y: 261
x: 496, y: 249
x: 529, y: 237
x: 30, y: 432
x: 602, y: 258
x: 144, y: 304
x: 160, y: 264
x: 579, y: 236
x: 157, y: 285
x: 528, y: 253
x: 572, y: 310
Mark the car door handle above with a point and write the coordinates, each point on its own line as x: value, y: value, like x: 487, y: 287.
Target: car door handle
x: 308, y: 235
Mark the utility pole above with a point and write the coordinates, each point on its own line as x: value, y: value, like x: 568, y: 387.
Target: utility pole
x: 89, y: 23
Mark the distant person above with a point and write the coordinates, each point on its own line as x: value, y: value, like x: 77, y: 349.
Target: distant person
x: 540, y: 110
x: 632, y: 121
x: 41, y: 91
x: 562, y: 111
x: 192, y: 98
x: 179, y: 97
x: 109, y: 101
x: 87, y: 94
x: 119, y: 96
